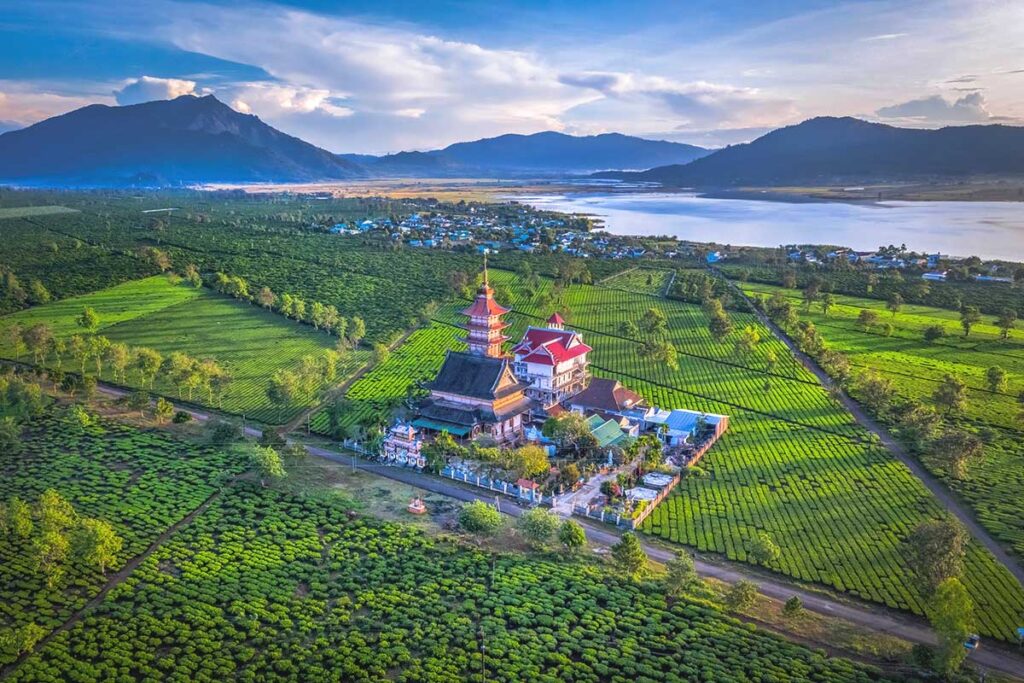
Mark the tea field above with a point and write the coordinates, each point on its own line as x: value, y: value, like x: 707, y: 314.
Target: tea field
x: 643, y: 280
x: 141, y: 482
x: 264, y: 584
x: 374, y: 396
x: 992, y: 486
x: 794, y: 463
x: 250, y: 343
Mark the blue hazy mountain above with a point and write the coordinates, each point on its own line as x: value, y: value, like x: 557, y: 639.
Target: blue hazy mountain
x: 841, y: 150
x: 167, y: 142
x: 547, y: 153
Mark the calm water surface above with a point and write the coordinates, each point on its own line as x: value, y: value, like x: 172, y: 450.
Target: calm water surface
x: 985, y: 229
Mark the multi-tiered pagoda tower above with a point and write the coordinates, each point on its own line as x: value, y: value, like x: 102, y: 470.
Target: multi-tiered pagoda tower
x: 484, y: 330
x: 475, y: 392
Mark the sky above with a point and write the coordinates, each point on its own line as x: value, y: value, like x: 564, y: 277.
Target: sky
x: 380, y: 76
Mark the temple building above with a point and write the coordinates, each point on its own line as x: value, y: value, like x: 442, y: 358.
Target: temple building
x: 552, y: 361
x: 476, y: 393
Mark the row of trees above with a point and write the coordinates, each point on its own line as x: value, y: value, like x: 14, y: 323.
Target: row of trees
x: 96, y: 352
x: 321, y: 316
x: 17, y: 295
x: 287, y: 387
x: 923, y: 427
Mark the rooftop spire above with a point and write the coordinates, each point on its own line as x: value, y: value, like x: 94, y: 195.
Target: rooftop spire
x: 486, y: 283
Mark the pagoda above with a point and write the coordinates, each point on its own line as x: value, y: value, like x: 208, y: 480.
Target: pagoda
x: 475, y: 393
x: 484, y: 335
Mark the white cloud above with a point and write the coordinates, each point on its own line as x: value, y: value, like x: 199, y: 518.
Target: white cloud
x: 694, y: 104
x: 937, y: 110
x: 149, y: 88
x: 273, y: 100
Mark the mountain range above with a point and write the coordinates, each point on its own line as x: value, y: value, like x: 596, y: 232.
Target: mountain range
x: 170, y: 142
x: 547, y: 153
x: 192, y: 140
x: 829, y: 150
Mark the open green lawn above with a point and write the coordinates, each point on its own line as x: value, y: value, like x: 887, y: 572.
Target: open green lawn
x: 250, y: 343
x: 993, y: 486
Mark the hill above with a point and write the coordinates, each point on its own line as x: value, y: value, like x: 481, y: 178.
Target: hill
x: 829, y: 150
x: 168, y: 142
x: 547, y: 153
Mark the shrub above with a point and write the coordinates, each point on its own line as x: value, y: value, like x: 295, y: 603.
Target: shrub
x: 479, y: 517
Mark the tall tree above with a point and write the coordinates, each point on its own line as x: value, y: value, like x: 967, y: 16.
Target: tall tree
x: 266, y: 298
x: 996, y: 378
x: 951, y: 395
x: 894, y: 303
x: 88, y: 319
x: 681, y: 574
x: 629, y: 558
x: 951, y: 613
x: 1006, y: 322
x: 571, y: 535
x: 356, y: 331
x: 95, y: 543
x: 50, y: 550
x: 38, y: 340
x: 147, y: 363
x: 960, y: 449
x: 538, y: 525
x: 267, y: 463
x: 969, y: 317
x: 119, y: 357
x: 935, y: 551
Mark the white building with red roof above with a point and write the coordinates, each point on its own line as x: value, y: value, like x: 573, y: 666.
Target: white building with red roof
x: 552, y: 361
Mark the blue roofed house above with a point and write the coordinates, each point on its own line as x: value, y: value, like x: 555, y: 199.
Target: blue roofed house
x: 680, y: 426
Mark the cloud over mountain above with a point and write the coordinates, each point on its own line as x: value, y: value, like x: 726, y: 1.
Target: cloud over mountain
x: 149, y: 88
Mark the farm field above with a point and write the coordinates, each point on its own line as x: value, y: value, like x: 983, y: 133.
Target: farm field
x: 264, y: 583
x: 29, y: 211
x: 375, y: 395
x: 34, y: 250
x: 141, y: 482
x: 250, y: 343
x: 992, y: 486
x: 643, y: 280
x: 794, y: 463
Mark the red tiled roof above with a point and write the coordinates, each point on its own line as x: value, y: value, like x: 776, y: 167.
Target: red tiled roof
x: 547, y: 347
x: 556, y: 319
x: 527, y: 484
x: 485, y: 305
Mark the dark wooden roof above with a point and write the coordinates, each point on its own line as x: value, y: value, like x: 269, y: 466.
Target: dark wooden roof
x: 481, y: 377
x: 606, y: 395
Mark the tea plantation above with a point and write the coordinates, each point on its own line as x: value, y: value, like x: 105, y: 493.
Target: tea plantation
x: 141, y: 482
x: 265, y: 585
x: 917, y: 366
x: 794, y: 463
x: 250, y: 343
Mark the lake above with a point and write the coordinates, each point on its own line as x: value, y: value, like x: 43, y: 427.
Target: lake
x: 986, y: 229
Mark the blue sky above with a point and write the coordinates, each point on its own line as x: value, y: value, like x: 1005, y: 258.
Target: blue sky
x: 379, y: 76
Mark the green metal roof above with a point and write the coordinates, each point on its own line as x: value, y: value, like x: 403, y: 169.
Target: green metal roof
x: 607, y: 433
x: 454, y: 430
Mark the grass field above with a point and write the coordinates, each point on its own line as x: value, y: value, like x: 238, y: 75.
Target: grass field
x: 250, y: 343
x: 794, y: 462
x: 993, y: 485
